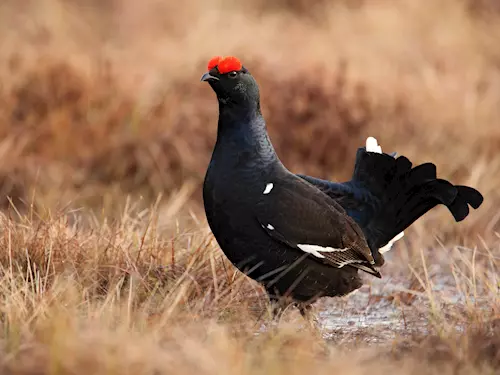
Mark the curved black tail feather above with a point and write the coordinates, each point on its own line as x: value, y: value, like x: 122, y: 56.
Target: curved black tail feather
x: 387, y: 194
x: 405, y: 193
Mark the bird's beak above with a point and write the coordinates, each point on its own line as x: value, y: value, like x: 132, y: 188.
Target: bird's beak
x: 208, y: 77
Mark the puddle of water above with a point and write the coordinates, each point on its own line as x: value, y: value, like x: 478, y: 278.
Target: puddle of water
x: 365, y: 315
x: 371, y: 313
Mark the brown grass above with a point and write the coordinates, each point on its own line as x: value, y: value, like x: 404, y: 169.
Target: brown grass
x: 102, y: 112
x: 130, y: 297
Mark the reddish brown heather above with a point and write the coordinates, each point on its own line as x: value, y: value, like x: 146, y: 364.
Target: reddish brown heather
x: 94, y: 103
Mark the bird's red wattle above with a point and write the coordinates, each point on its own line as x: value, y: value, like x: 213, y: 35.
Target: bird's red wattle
x: 214, y: 61
x: 229, y: 64
x: 224, y: 64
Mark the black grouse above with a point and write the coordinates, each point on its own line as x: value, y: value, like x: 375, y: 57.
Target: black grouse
x: 302, y: 237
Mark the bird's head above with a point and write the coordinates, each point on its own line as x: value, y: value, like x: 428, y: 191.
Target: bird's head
x: 231, y: 81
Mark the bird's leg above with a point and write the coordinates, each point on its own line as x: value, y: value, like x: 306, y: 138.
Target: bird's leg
x: 278, y: 305
x: 306, y: 310
x: 277, y: 308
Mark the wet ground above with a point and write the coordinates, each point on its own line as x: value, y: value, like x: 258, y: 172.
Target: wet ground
x: 374, y: 313
x: 394, y: 306
x: 404, y: 303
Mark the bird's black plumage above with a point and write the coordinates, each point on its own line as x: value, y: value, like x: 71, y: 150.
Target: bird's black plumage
x: 300, y: 236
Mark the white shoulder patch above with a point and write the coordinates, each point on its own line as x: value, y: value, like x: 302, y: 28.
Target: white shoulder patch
x: 372, y: 145
x: 268, y: 188
x: 388, y: 247
x: 317, y: 250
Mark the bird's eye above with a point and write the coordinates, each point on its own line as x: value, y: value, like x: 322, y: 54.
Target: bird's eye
x: 232, y: 74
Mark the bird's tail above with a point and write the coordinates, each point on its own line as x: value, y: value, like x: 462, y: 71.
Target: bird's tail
x: 405, y: 193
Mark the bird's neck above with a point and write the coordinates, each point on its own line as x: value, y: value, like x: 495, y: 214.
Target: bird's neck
x: 242, y: 130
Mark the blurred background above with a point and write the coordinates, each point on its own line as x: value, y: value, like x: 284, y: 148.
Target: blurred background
x: 101, y: 102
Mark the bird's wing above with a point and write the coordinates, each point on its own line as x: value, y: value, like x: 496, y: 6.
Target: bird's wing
x: 357, y: 201
x: 356, y: 198
x: 297, y: 214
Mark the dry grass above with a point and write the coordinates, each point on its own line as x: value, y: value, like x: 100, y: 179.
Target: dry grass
x: 101, y: 111
x: 130, y: 297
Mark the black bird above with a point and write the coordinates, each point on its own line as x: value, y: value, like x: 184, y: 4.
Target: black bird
x: 301, y: 237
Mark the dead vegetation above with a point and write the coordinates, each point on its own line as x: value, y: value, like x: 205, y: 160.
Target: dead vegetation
x: 102, y: 111
x: 131, y: 297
